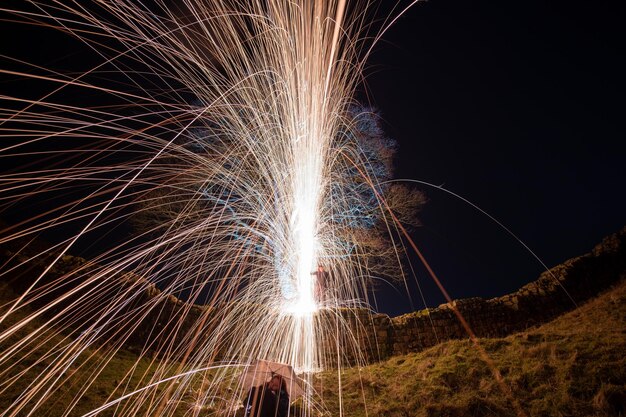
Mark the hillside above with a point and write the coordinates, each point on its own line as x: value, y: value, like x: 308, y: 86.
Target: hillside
x: 572, y: 366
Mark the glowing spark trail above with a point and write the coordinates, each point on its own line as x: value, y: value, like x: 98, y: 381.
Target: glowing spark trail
x: 224, y: 133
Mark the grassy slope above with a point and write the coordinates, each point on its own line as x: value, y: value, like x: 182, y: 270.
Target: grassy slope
x: 572, y: 366
x: 32, y: 363
x: 109, y: 384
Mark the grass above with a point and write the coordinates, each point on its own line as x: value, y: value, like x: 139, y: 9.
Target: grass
x: 73, y: 380
x: 572, y: 366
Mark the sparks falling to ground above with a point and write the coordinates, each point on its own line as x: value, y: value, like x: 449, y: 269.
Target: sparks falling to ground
x: 224, y: 134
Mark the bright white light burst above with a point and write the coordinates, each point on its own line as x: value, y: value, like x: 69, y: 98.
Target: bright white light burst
x: 221, y: 132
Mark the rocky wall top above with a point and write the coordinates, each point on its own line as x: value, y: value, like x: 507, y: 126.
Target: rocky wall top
x: 365, y: 336
x: 555, y: 292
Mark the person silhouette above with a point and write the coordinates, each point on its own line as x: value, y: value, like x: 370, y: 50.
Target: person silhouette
x: 268, y: 400
x: 321, y: 281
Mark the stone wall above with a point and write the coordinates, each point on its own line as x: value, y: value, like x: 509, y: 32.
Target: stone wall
x: 556, y: 291
x: 367, y: 337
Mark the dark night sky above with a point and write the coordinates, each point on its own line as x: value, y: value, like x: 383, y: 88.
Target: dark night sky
x: 518, y: 107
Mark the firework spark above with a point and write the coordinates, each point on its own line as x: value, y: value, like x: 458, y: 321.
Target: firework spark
x: 224, y: 130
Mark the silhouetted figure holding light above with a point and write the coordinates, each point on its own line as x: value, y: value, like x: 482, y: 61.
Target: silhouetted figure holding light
x: 321, y: 281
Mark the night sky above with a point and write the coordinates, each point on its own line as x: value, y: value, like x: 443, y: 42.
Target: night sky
x: 516, y: 106
x: 519, y: 108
